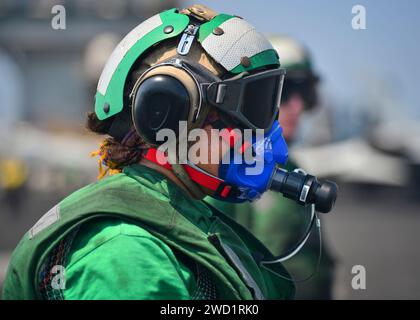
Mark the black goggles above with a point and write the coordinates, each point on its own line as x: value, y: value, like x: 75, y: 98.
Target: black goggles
x: 252, y: 100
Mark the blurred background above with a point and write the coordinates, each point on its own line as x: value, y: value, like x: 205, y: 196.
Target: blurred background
x: 365, y: 133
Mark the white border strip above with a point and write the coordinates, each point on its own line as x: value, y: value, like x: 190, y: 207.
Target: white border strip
x: 123, y: 47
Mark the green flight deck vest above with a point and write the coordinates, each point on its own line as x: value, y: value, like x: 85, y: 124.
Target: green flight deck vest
x: 228, y: 252
x: 279, y: 224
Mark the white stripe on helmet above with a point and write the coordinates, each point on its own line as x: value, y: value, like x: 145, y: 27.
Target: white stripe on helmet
x: 238, y: 40
x: 122, y: 48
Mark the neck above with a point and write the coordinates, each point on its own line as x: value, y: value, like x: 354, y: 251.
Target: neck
x: 167, y: 173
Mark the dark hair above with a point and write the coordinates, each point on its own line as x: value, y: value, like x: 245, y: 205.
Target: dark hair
x: 115, y: 154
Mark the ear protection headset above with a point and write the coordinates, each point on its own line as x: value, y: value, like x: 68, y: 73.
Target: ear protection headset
x: 166, y: 94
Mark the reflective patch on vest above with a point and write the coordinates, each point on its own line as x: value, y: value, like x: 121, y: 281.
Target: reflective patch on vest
x: 46, y: 220
x: 245, y: 274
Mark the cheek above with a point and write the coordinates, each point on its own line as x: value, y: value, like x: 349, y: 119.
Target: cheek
x: 215, y: 150
x: 291, y: 111
x: 285, y: 116
x: 288, y: 120
x: 217, y: 146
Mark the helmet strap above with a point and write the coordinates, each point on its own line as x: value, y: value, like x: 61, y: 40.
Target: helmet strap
x: 195, y: 179
x: 179, y: 171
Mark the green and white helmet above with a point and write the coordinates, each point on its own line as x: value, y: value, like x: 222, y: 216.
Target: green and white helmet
x: 301, y: 77
x: 294, y: 56
x: 230, y: 40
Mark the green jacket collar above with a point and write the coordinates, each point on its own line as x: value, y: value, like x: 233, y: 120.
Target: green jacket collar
x: 194, y: 210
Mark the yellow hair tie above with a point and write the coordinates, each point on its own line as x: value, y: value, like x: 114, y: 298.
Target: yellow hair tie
x: 102, y: 152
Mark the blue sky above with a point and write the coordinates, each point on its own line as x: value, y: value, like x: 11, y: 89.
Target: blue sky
x: 348, y: 60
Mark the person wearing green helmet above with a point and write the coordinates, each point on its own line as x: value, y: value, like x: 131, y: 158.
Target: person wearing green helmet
x: 279, y: 222
x: 142, y: 232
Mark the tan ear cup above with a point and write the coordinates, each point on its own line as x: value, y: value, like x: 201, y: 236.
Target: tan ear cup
x: 195, y: 100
